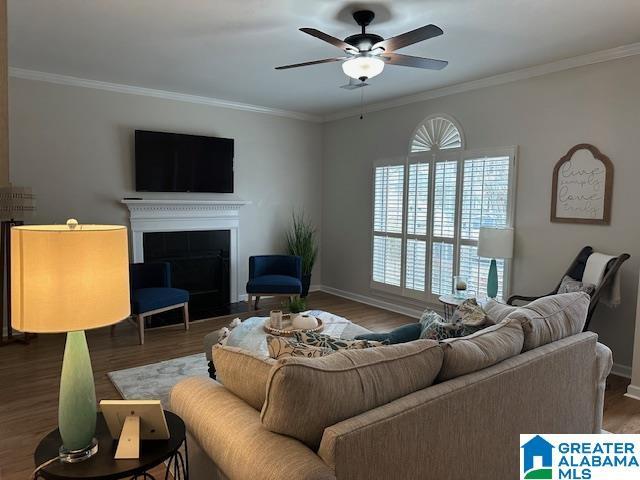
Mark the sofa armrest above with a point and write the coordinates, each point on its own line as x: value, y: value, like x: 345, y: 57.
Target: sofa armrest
x: 604, y: 362
x: 230, y: 433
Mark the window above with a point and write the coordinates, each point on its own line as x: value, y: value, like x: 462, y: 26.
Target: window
x: 428, y: 212
x: 387, y: 225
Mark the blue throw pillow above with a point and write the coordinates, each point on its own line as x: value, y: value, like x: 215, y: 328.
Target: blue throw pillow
x: 405, y: 333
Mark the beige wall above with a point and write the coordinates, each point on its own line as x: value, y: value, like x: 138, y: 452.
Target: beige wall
x: 4, y: 121
x: 544, y: 116
x: 74, y: 147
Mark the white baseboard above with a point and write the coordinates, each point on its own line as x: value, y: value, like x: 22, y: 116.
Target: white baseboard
x: 374, y: 302
x: 621, y: 370
x: 633, y: 392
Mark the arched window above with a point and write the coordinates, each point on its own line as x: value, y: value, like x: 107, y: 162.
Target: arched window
x: 437, y: 132
x: 428, y: 211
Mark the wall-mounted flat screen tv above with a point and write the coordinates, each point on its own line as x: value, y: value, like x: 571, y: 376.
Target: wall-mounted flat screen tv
x: 174, y: 162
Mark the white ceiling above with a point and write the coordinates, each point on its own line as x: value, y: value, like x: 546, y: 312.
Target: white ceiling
x: 227, y: 49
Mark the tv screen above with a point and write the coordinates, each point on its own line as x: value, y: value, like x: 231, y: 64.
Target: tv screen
x: 173, y: 162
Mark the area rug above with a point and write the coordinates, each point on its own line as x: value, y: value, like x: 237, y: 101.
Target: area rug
x: 155, y: 381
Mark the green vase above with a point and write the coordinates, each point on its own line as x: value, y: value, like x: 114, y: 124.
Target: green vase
x: 492, y: 281
x: 77, y: 405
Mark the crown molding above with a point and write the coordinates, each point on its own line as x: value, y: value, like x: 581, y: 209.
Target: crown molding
x: 503, y: 78
x: 514, y: 76
x: 149, y: 92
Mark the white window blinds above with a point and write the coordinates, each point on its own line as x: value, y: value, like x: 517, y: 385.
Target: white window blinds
x: 417, y: 226
x: 485, y: 202
x: 388, y: 224
x: 427, y: 216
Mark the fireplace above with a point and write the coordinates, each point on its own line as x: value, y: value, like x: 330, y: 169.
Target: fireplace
x: 199, y: 264
x: 199, y: 238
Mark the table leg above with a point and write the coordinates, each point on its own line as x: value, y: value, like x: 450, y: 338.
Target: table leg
x: 177, y: 466
x: 212, y: 370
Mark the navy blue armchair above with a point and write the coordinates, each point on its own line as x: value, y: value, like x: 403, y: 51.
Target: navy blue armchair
x: 151, y: 293
x: 273, y: 276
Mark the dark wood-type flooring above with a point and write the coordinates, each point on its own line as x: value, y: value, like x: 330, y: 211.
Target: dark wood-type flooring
x: 29, y: 375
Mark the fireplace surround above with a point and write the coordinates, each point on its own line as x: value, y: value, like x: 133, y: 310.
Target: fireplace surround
x: 213, y: 223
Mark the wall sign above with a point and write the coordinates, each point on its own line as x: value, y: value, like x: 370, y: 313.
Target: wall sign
x: 582, y: 186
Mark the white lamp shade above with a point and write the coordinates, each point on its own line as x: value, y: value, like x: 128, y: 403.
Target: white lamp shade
x: 363, y: 66
x: 66, y: 279
x: 495, y: 242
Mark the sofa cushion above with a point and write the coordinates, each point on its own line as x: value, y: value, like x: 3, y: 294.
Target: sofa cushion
x: 552, y: 318
x: 148, y: 299
x: 481, y: 350
x: 243, y: 373
x: 307, y: 395
x: 274, y: 284
x: 403, y: 334
x: 496, y: 311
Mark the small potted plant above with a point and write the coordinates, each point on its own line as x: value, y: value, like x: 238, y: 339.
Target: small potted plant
x: 302, y: 242
x: 295, y: 305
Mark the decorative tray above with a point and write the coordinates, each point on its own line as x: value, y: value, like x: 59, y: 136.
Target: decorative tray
x: 287, y: 329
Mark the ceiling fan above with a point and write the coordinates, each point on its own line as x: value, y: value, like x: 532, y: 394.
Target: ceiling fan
x: 367, y: 53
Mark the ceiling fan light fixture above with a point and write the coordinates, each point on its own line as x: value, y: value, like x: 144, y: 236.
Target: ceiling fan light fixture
x: 363, y: 66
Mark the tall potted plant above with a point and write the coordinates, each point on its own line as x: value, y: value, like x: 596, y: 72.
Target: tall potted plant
x: 301, y: 241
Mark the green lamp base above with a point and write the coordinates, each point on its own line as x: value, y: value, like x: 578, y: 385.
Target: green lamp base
x: 77, y: 404
x: 492, y: 280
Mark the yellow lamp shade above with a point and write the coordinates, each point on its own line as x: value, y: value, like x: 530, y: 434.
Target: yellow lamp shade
x: 68, y: 277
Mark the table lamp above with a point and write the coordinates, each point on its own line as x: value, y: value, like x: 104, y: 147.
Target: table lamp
x: 70, y: 278
x: 494, y: 243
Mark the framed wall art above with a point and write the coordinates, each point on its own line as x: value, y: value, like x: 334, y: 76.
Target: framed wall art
x: 582, y: 187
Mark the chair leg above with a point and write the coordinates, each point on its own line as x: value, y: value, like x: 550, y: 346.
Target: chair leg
x: 185, y: 312
x: 112, y: 330
x: 140, y: 328
x: 250, y: 301
x: 255, y: 307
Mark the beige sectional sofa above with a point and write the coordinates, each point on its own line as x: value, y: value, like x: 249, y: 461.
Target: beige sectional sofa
x: 420, y: 410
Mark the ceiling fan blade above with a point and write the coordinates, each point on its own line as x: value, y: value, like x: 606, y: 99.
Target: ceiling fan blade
x: 314, y: 62
x: 409, y: 38
x: 354, y: 84
x: 336, y: 42
x: 416, y: 62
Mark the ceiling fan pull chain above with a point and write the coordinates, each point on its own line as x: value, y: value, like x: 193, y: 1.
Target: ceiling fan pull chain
x: 361, y: 104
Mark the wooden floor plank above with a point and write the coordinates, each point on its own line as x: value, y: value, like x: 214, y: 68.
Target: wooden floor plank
x: 29, y: 374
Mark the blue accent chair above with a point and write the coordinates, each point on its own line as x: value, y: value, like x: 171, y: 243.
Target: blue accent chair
x: 273, y: 276
x: 151, y: 293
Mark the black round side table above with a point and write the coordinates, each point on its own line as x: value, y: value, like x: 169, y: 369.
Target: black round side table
x: 102, y: 466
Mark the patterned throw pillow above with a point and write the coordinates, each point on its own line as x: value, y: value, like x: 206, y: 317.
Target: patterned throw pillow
x: 569, y: 285
x: 470, y: 313
x: 284, y: 347
x: 327, y: 341
x: 435, y: 328
x: 428, y: 317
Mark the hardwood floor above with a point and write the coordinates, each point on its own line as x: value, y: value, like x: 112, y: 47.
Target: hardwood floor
x: 29, y: 374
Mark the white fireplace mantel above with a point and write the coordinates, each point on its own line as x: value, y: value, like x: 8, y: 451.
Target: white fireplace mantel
x: 184, y: 215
